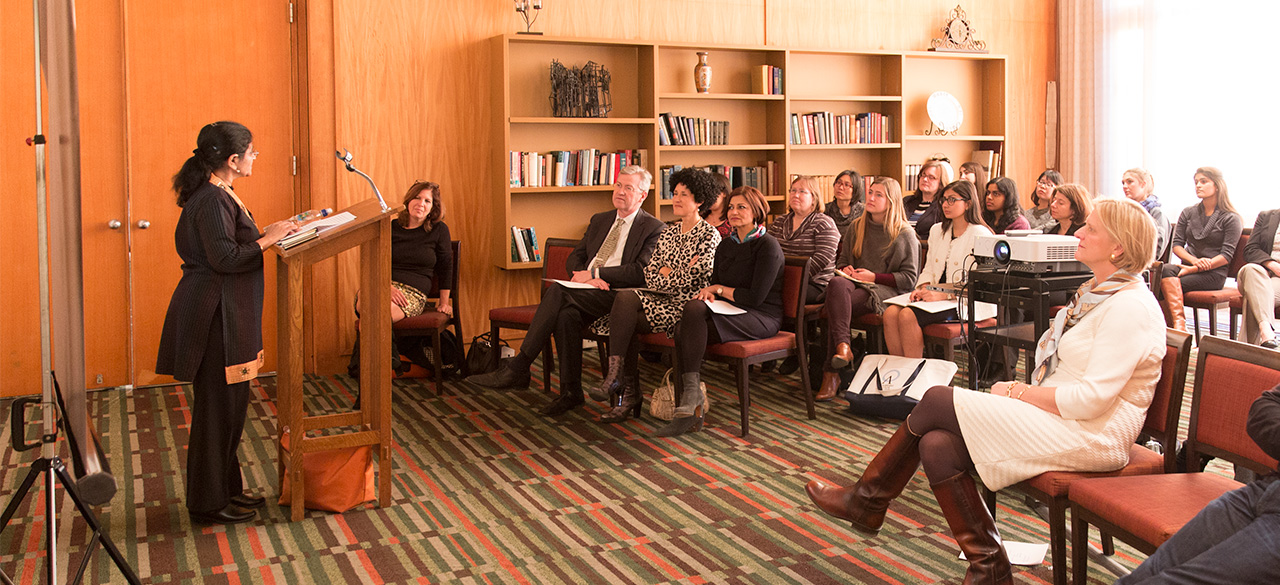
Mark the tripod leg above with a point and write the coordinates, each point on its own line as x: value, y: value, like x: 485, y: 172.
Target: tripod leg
x: 92, y: 520
x: 21, y: 494
x: 51, y: 523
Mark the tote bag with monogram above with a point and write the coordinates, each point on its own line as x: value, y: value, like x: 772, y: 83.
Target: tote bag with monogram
x: 889, y: 386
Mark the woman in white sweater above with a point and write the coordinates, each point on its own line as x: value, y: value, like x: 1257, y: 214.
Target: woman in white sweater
x: 1096, y: 373
x: 950, y: 254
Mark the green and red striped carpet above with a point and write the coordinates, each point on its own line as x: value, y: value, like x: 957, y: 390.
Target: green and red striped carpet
x: 488, y: 491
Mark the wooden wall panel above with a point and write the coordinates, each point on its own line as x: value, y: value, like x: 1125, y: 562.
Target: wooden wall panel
x: 411, y: 86
x: 19, y: 288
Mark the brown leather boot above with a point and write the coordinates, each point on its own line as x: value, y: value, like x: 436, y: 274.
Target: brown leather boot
x: 830, y: 385
x: 842, y: 357
x: 1175, y: 313
x: 865, y: 503
x: 975, y: 531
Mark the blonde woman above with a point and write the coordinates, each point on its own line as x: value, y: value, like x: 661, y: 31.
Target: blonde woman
x: 1095, y: 376
x: 806, y: 231
x: 877, y: 262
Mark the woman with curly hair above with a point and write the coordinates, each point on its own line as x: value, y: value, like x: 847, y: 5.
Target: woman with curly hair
x: 678, y: 269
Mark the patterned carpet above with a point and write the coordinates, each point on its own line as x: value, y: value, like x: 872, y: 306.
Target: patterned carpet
x: 488, y: 491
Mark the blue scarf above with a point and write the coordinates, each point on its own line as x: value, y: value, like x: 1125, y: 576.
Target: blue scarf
x: 1151, y: 202
x: 755, y: 233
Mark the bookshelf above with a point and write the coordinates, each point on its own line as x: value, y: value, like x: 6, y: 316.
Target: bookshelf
x: 649, y: 79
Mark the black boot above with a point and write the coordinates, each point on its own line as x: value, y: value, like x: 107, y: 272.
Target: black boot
x: 508, y: 376
x: 688, y: 416
x: 611, y: 386
x: 629, y: 404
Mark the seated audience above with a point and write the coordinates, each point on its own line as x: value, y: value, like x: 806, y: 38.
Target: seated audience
x: 1137, y: 185
x: 678, y: 269
x: 924, y: 207
x: 1205, y: 239
x: 715, y: 215
x: 1232, y: 540
x: 877, y: 262
x: 974, y: 173
x: 612, y: 254
x: 1002, y: 211
x: 748, y: 274
x: 1095, y: 376
x: 806, y: 231
x: 1038, y: 217
x: 1069, y: 206
x: 951, y: 244
x: 1259, y: 280
x: 847, y: 205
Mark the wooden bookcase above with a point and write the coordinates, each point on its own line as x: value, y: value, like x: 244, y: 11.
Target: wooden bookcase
x: 648, y: 79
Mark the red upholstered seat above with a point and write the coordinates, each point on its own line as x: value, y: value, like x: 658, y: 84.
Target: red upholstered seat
x: 521, y: 314
x: 871, y: 319
x: 1204, y: 297
x: 427, y: 320
x: 1142, y: 461
x: 954, y: 330
x: 1168, y: 501
x: 784, y: 340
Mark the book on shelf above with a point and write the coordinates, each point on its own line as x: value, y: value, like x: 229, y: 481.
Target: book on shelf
x: 524, y: 245
x: 569, y: 168
x: 911, y: 174
x: 766, y: 79
x: 829, y: 128
x: 761, y: 176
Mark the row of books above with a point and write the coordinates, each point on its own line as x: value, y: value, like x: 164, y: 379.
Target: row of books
x: 766, y: 79
x: 827, y: 186
x: 685, y: 131
x: 524, y: 245
x: 761, y: 176
x: 828, y: 128
x: 571, y: 168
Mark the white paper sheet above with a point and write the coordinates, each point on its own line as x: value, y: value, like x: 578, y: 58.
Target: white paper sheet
x: 1027, y: 554
x: 724, y: 308
x: 570, y: 283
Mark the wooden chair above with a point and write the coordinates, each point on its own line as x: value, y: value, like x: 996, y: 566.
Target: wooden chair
x: 1216, y: 300
x: 945, y: 337
x: 741, y: 355
x: 1053, y: 487
x: 431, y: 323
x: 1145, y: 511
x: 555, y: 257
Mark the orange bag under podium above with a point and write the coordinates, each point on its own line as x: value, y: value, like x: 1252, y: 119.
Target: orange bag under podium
x: 337, y: 480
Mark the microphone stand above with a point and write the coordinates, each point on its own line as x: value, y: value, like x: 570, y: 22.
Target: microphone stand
x: 346, y: 159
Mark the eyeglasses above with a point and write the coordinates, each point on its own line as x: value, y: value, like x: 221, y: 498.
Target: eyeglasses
x: 953, y: 200
x: 1045, y: 184
x: 797, y: 191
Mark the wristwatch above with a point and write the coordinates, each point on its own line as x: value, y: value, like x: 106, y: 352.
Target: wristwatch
x: 719, y: 291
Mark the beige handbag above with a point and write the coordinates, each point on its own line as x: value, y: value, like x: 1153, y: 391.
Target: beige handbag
x: 663, y: 403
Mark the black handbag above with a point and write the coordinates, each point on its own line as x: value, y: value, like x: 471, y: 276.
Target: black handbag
x: 480, y: 356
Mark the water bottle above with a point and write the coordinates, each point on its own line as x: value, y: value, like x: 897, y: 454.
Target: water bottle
x: 312, y: 214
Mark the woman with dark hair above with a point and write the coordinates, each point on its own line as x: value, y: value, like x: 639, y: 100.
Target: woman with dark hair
x: 877, y: 262
x: 212, y: 333
x: 847, y: 204
x: 1205, y: 239
x: 924, y: 207
x: 951, y: 244
x: 806, y: 231
x: 1070, y: 207
x: 1002, y: 211
x: 1038, y: 217
x: 748, y: 274
x: 974, y: 173
x: 1095, y: 372
x: 715, y: 214
x: 678, y: 269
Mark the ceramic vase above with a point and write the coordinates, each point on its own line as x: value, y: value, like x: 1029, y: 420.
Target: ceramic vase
x: 702, y: 74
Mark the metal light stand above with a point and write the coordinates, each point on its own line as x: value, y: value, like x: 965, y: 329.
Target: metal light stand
x: 58, y: 15
x: 346, y: 159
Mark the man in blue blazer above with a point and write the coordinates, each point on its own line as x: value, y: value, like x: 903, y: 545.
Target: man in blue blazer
x: 611, y: 255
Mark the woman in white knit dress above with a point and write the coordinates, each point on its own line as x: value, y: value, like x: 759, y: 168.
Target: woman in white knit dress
x: 1096, y: 373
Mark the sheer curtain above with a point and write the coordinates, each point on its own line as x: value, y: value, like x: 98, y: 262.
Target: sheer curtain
x: 1170, y: 85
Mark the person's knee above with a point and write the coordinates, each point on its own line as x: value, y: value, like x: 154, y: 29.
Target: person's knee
x: 1250, y: 272
x: 694, y: 310
x: 933, y: 407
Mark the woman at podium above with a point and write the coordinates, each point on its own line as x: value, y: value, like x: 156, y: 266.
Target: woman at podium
x: 213, y: 329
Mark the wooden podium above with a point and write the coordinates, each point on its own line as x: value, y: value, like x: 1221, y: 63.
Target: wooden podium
x: 371, y: 231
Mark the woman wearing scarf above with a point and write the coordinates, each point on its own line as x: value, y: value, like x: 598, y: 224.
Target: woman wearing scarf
x: 1095, y: 376
x: 747, y: 274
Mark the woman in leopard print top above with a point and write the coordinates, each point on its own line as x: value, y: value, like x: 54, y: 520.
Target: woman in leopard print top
x: 680, y: 266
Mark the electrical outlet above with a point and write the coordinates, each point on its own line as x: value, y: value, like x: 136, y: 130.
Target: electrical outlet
x: 98, y: 380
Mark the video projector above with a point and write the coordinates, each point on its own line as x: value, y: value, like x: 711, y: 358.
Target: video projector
x: 1028, y: 252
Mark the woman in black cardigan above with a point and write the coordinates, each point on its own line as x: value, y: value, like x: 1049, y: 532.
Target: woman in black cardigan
x: 213, y: 329
x: 748, y: 274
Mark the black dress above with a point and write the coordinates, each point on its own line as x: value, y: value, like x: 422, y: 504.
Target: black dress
x: 212, y: 337
x: 418, y: 255
x: 754, y: 270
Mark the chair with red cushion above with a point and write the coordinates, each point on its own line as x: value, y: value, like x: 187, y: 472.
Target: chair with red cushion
x: 1145, y: 511
x: 1053, y: 487
x: 741, y: 355
x: 944, y: 337
x: 431, y: 323
x: 1216, y: 300
x: 555, y: 257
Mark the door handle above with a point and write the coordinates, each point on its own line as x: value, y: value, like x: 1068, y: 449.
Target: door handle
x: 114, y: 224
x: 143, y: 224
